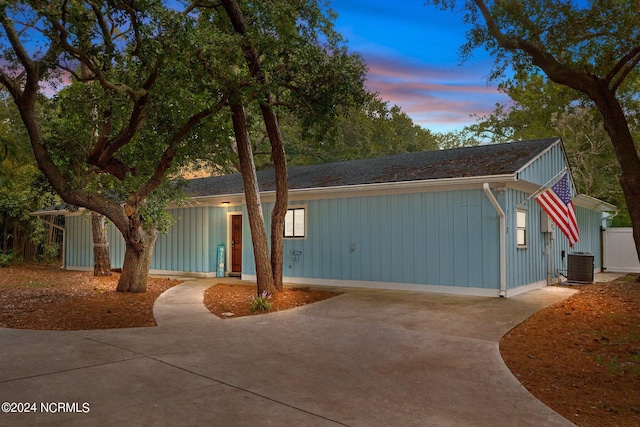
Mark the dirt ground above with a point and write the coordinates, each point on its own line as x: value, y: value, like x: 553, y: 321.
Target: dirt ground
x: 227, y: 301
x: 44, y: 297
x: 581, y: 357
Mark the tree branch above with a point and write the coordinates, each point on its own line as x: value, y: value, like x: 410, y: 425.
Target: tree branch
x: 169, y: 153
x: 90, y: 63
x: 621, y: 70
x: 103, y: 152
x: 14, y: 39
x: 554, y: 69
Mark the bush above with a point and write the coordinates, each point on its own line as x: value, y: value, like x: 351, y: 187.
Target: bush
x: 5, y: 259
x: 260, y: 302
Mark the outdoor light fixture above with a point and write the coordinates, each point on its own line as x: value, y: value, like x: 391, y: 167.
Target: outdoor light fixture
x: 225, y: 204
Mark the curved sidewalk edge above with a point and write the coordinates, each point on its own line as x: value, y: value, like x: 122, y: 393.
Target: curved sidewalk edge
x: 183, y: 303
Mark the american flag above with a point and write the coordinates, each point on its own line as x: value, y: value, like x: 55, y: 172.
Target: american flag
x: 556, y: 202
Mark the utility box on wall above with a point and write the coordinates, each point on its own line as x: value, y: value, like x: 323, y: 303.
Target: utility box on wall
x: 580, y: 266
x: 546, y: 223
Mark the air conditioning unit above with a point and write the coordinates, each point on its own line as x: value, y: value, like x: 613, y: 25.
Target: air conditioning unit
x: 580, y: 266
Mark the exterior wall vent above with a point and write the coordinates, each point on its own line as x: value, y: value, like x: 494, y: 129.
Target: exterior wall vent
x: 580, y: 266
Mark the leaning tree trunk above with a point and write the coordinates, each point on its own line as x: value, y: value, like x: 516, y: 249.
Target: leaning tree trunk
x: 282, y: 192
x: 615, y: 123
x: 252, y: 196
x: 139, y: 243
x: 278, y: 156
x: 101, y: 261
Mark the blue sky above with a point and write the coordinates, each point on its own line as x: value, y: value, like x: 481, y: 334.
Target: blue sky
x: 412, y: 52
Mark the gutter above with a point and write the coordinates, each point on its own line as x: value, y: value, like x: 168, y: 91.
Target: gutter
x: 382, y: 188
x: 503, y: 238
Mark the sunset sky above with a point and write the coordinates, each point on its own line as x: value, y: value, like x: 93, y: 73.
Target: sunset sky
x: 412, y: 54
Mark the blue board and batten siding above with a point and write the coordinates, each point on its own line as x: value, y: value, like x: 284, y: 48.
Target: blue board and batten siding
x: 443, y: 238
x: 189, y: 246
x: 435, y: 238
x: 528, y: 265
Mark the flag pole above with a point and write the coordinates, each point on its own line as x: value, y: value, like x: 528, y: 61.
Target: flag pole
x: 542, y: 188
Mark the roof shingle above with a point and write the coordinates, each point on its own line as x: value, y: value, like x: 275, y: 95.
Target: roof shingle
x: 482, y: 160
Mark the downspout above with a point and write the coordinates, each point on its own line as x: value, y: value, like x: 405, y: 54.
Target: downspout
x: 503, y: 238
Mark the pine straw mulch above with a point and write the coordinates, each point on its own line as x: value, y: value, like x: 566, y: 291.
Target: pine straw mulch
x: 46, y: 297
x: 228, y: 301
x: 581, y: 356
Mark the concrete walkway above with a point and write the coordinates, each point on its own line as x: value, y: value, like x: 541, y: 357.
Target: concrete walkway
x: 365, y: 358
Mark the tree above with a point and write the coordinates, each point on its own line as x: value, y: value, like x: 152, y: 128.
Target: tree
x: 370, y: 128
x: 540, y: 108
x: 134, y: 53
x: 101, y: 260
x: 22, y: 190
x: 535, y: 102
x: 592, y: 48
x: 240, y: 26
x: 285, y: 56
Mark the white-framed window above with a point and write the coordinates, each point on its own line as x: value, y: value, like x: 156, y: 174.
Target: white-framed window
x: 521, y: 228
x: 295, y: 223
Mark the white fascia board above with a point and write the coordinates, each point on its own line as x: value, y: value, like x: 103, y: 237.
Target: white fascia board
x: 593, y: 204
x: 385, y: 188
x: 215, y: 201
x: 540, y: 154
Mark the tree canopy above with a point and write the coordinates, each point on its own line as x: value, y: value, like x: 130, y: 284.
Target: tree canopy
x: 591, y: 47
x: 540, y: 109
x: 130, y: 95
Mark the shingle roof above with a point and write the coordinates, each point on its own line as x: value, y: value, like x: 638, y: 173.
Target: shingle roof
x: 482, y: 160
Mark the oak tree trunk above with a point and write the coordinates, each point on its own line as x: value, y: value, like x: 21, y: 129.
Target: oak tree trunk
x: 252, y: 196
x: 139, y: 243
x: 234, y: 12
x: 615, y: 123
x: 282, y: 192
x: 101, y: 260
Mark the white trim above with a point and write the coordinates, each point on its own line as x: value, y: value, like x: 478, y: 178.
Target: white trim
x: 593, y: 204
x: 306, y: 221
x: 526, y: 288
x: 195, y: 274
x: 392, y: 286
x: 77, y: 268
x: 540, y: 154
x: 64, y: 212
x: 524, y: 245
x: 378, y: 189
x: 360, y: 284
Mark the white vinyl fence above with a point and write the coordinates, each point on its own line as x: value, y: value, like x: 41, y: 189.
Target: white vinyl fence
x: 620, y: 254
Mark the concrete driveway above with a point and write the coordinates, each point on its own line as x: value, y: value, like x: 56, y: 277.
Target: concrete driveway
x: 365, y: 358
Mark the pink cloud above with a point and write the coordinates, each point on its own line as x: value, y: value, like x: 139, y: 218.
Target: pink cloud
x: 434, y: 97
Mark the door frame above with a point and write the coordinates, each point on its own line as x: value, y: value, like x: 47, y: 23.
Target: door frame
x: 229, y: 265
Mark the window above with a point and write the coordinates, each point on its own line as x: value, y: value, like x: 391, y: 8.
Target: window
x: 521, y: 228
x: 294, y: 223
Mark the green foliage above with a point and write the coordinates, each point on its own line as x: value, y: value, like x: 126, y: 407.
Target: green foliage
x: 306, y: 70
x: 591, y: 35
x: 592, y: 49
x: 540, y: 109
x: 22, y: 190
x: 373, y: 129
x: 5, y: 259
x: 260, y: 302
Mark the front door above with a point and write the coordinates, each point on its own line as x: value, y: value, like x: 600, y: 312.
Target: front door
x: 236, y: 244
